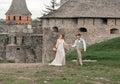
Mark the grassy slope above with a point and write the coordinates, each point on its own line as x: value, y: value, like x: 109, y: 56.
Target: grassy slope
x: 105, y: 71
x: 107, y: 53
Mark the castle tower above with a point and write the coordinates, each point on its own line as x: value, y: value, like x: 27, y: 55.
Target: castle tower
x: 18, y: 13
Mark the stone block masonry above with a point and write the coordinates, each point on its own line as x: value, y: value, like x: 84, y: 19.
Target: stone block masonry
x: 21, y: 47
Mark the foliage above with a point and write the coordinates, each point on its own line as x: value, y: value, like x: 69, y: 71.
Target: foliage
x: 36, y: 22
x: 106, y: 53
x: 52, y: 7
x: 2, y: 21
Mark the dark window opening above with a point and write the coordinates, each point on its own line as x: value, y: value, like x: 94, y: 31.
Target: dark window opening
x: 20, y: 18
x: 114, y: 31
x: 55, y: 29
x: 18, y: 48
x: 33, y: 52
x: 37, y: 40
x: 15, y: 39
x: 104, y: 21
x: 23, y: 39
x: 115, y: 21
x: 8, y: 17
x: 27, y: 18
x: 14, y: 18
x: 83, y: 29
x: 8, y: 40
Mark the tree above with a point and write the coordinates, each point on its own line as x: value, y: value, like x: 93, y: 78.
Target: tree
x: 52, y: 7
x: 2, y: 21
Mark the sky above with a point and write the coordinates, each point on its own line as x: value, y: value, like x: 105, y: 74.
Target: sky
x: 36, y: 7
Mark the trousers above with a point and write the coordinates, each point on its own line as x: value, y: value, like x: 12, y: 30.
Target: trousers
x: 79, y: 58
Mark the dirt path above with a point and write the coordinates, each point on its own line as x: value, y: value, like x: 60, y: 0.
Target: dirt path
x: 20, y: 65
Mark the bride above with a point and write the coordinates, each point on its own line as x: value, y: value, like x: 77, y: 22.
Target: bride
x: 60, y: 52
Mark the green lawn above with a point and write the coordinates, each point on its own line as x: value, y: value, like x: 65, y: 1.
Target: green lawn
x: 105, y: 71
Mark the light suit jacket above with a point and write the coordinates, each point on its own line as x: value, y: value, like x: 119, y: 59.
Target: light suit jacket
x: 80, y: 42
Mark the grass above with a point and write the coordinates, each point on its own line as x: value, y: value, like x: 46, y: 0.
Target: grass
x: 105, y: 71
x: 107, y: 53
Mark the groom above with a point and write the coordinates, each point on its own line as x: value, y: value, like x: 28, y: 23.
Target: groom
x: 80, y: 46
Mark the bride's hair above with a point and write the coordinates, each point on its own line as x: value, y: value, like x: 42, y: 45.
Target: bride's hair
x: 63, y: 36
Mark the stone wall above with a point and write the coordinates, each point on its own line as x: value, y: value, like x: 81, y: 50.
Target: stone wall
x: 30, y: 51
x: 3, y: 42
x: 49, y: 41
x: 15, y: 53
x: 34, y: 45
x: 22, y: 44
x: 92, y: 30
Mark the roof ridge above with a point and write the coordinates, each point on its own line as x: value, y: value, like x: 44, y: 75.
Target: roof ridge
x: 88, y: 8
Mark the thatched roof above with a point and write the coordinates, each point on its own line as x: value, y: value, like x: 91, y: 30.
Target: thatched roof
x: 87, y: 8
x: 18, y: 7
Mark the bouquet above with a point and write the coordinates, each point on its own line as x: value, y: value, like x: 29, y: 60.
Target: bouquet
x: 54, y: 49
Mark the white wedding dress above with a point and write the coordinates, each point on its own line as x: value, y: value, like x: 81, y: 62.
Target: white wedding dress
x: 60, y: 54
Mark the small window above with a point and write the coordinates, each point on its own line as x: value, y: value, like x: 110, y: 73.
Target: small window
x: 83, y: 29
x: 23, y: 38
x: 15, y: 40
x: 14, y: 18
x: 18, y: 48
x: 115, y: 21
x: 114, y: 31
x: 7, y: 40
x: 8, y: 17
x: 55, y: 29
x: 27, y: 18
x: 20, y: 18
x: 104, y: 21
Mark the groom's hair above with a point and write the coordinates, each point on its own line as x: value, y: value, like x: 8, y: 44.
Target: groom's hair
x: 78, y: 34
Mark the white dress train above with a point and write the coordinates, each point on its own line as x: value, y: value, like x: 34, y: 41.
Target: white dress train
x: 60, y: 54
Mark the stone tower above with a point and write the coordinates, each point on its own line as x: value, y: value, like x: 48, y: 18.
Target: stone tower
x: 18, y: 13
x: 24, y: 40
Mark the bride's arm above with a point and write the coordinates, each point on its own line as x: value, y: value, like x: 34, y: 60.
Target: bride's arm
x: 66, y: 44
x: 74, y: 45
x: 56, y: 44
